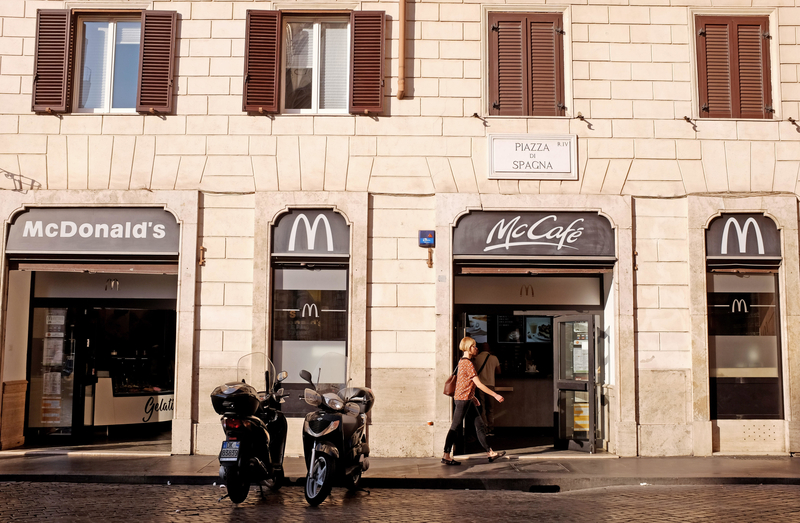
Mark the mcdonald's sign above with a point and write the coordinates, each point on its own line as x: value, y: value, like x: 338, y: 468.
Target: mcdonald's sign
x: 742, y: 235
x: 318, y: 232
x: 739, y: 305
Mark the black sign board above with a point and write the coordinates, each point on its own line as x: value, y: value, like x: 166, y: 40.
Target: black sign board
x: 743, y: 236
x: 491, y: 233
x: 315, y: 232
x: 94, y: 230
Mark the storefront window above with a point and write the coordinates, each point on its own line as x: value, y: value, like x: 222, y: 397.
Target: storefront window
x: 138, y: 350
x: 744, y: 346
x: 110, y: 352
x: 309, y: 320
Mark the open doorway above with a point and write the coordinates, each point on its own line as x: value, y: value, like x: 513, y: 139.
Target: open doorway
x: 100, y: 360
x: 548, y: 335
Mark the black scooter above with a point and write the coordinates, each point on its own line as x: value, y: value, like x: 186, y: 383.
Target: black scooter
x: 255, y: 428
x: 334, y: 436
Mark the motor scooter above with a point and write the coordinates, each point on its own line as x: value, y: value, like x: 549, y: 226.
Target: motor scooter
x: 335, y: 435
x: 255, y: 428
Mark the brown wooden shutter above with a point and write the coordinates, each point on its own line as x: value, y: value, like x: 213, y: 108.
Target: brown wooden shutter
x: 366, y: 62
x: 51, y: 69
x: 714, y: 69
x: 752, y: 49
x: 262, y: 61
x: 546, y: 65
x: 157, y: 62
x: 733, y: 67
x: 508, y: 81
x: 526, y: 64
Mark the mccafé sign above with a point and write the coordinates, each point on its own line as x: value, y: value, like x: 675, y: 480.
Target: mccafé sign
x: 534, y: 234
x: 743, y: 236
x: 317, y: 232
x: 94, y: 230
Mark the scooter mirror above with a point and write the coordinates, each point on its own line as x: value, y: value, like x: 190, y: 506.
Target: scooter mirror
x: 279, y: 392
x: 283, y: 375
x: 352, y: 409
x: 306, y: 376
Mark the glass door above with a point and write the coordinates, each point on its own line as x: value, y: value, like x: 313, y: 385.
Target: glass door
x: 52, y: 366
x: 574, y: 383
x: 60, y: 371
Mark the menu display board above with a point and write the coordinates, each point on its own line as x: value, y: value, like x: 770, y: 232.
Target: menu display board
x: 509, y: 329
x: 478, y: 327
x: 53, y: 365
x: 538, y: 329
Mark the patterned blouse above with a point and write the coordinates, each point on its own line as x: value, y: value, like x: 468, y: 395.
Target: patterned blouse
x: 465, y: 387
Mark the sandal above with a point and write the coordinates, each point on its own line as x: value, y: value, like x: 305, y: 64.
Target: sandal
x: 497, y: 456
x: 450, y: 462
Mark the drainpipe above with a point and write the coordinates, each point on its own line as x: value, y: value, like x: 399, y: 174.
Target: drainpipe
x: 401, y: 69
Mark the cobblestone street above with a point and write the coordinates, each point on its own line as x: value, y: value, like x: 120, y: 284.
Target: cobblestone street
x: 75, y: 502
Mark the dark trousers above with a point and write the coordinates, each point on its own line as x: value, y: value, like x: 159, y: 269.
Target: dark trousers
x: 487, y: 409
x: 458, y: 416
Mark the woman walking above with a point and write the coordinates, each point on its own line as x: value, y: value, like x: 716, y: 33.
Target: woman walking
x: 466, y: 383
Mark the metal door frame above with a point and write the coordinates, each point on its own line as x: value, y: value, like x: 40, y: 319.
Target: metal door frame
x: 588, y: 385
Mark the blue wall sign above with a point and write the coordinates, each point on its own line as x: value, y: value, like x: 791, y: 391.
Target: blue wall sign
x: 427, y: 238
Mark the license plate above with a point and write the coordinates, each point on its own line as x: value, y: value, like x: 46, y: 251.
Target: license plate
x: 230, y: 451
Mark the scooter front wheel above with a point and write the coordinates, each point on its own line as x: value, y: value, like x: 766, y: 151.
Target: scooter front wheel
x: 319, y: 479
x: 237, y: 486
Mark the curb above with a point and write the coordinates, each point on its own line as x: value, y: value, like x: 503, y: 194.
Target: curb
x: 530, y: 484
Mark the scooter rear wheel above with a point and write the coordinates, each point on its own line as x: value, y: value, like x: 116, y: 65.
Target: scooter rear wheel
x: 276, y: 482
x: 319, y: 479
x: 238, y: 487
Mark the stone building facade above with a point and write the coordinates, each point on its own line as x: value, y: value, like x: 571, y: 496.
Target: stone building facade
x: 647, y: 158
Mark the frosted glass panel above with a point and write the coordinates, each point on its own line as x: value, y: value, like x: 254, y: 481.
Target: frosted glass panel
x: 743, y: 356
x: 334, y: 56
x: 94, y: 65
x: 126, y: 64
x: 300, y: 279
x: 741, y: 283
x: 294, y: 356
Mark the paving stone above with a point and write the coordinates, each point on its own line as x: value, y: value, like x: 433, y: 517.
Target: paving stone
x: 87, y: 502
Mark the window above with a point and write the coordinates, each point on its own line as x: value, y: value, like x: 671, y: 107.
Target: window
x: 743, y: 256
x: 744, y: 346
x: 321, y: 64
x: 526, y: 64
x: 316, y: 56
x: 108, y: 65
x: 104, y: 62
x: 733, y: 67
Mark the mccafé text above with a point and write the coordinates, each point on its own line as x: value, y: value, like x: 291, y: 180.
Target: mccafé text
x: 513, y: 234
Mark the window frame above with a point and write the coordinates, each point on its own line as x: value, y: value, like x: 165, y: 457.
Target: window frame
x: 717, y: 382
x: 773, y: 73
x: 113, y: 19
x: 316, y: 80
x: 563, y: 83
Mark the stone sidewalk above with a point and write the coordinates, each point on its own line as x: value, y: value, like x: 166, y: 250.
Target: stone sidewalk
x: 543, y: 472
